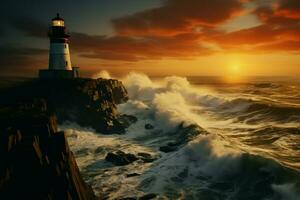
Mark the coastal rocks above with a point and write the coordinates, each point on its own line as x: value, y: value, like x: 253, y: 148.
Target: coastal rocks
x: 132, y: 175
x: 35, y: 159
x: 181, y: 136
x: 148, y: 196
x: 146, y: 157
x: 169, y: 147
x: 121, y: 158
x: 149, y: 126
x: 144, y: 197
x: 87, y: 102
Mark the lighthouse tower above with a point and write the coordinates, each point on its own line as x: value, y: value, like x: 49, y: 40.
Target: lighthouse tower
x: 60, y: 65
x: 59, y: 54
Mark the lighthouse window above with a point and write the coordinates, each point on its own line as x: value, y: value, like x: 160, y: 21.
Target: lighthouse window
x: 66, y: 63
x: 57, y: 23
x: 65, y: 46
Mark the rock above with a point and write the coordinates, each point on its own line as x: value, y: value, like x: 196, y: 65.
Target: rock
x: 120, y: 158
x: 148, y: 196
x: 182, y: 136
x: 99, y: 150
x: 127, y: 120
x: 132, y: 175
x: 146, y: 157
x: 88, y: 102
x: 167, y: 149
x: 149, y: 126
x: 35, y: 159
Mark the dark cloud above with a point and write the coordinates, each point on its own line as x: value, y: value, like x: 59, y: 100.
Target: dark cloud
x: 177, y: 29
x: 177, y: 16
x: 22, y: 58
x: 127, y: 48
x: 288, y: 8
x: 30, y: 26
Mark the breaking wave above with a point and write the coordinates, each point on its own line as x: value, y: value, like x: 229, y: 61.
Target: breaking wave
x: 237, y: 144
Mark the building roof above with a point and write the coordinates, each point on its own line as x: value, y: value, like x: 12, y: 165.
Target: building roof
x: 57, y: 17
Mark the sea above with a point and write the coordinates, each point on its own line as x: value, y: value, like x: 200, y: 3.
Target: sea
x: 250, y: 149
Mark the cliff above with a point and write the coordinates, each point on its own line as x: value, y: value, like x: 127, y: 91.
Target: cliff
x: 35, y: 160
x: 87, y: 102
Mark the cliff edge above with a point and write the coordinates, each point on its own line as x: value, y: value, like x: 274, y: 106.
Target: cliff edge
x: 88, y: 102
x: 35, y: 160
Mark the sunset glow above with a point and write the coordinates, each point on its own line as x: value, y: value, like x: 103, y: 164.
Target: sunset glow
x: 150, y: 99
x: 240, y: 38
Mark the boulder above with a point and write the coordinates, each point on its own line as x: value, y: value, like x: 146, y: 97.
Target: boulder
x: 148, y: 196
x: 120, y: 158
x: 167, y: 149
x: 146, y: 157
x: 149, y: 126
x: 132, y: 175
x: 182, y: 136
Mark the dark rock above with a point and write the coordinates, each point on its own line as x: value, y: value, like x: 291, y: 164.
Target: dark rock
x: 146, y: 157
x: 148, y: 196
x: 168, y: 149
x: 128, y: 119
x: 99, y: 150
x: 87, y: 102
x: 183, y: 135
x: 132, y: 175
x: 35, y: 160
x: 120, y: 158
x: 129, y: 198
x: 149, y: 126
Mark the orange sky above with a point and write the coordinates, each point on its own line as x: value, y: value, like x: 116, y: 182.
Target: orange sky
x: 190, y: 37
x: 239, y: 38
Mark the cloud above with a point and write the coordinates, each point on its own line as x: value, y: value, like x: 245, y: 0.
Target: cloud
x: 183, y: 30
x: 188, y: 29
x: 288, y: 8
x: 128, y: 48
x: 276, y: 33
x: 21, y: 58
x: 30, y: 26
x: 283, y: 46
x: 177, y: 17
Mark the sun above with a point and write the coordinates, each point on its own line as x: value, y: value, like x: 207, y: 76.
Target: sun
x: 234, y: 72
x: 234, y: 69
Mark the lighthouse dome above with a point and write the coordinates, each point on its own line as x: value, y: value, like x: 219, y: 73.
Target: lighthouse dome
x: 58, y: 21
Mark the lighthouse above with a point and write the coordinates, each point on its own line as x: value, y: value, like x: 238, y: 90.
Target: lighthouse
x: 60, y: 65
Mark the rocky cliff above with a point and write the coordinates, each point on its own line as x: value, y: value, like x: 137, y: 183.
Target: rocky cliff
x: 35, y: 160
x: 87, y: 102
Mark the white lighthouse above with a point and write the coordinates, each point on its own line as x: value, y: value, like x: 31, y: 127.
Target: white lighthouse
x: 60, y: 65
x: 59, y: 54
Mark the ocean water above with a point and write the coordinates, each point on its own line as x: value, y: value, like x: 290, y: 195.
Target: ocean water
x: 250, y: 149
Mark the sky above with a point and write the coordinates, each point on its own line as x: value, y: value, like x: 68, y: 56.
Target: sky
x: 158, y: 37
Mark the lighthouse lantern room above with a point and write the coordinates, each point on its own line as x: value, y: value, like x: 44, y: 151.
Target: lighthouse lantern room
x: 59, y: 54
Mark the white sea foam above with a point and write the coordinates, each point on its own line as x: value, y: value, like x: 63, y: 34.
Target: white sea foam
x: 102, y: 74
x: 205, y: 160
